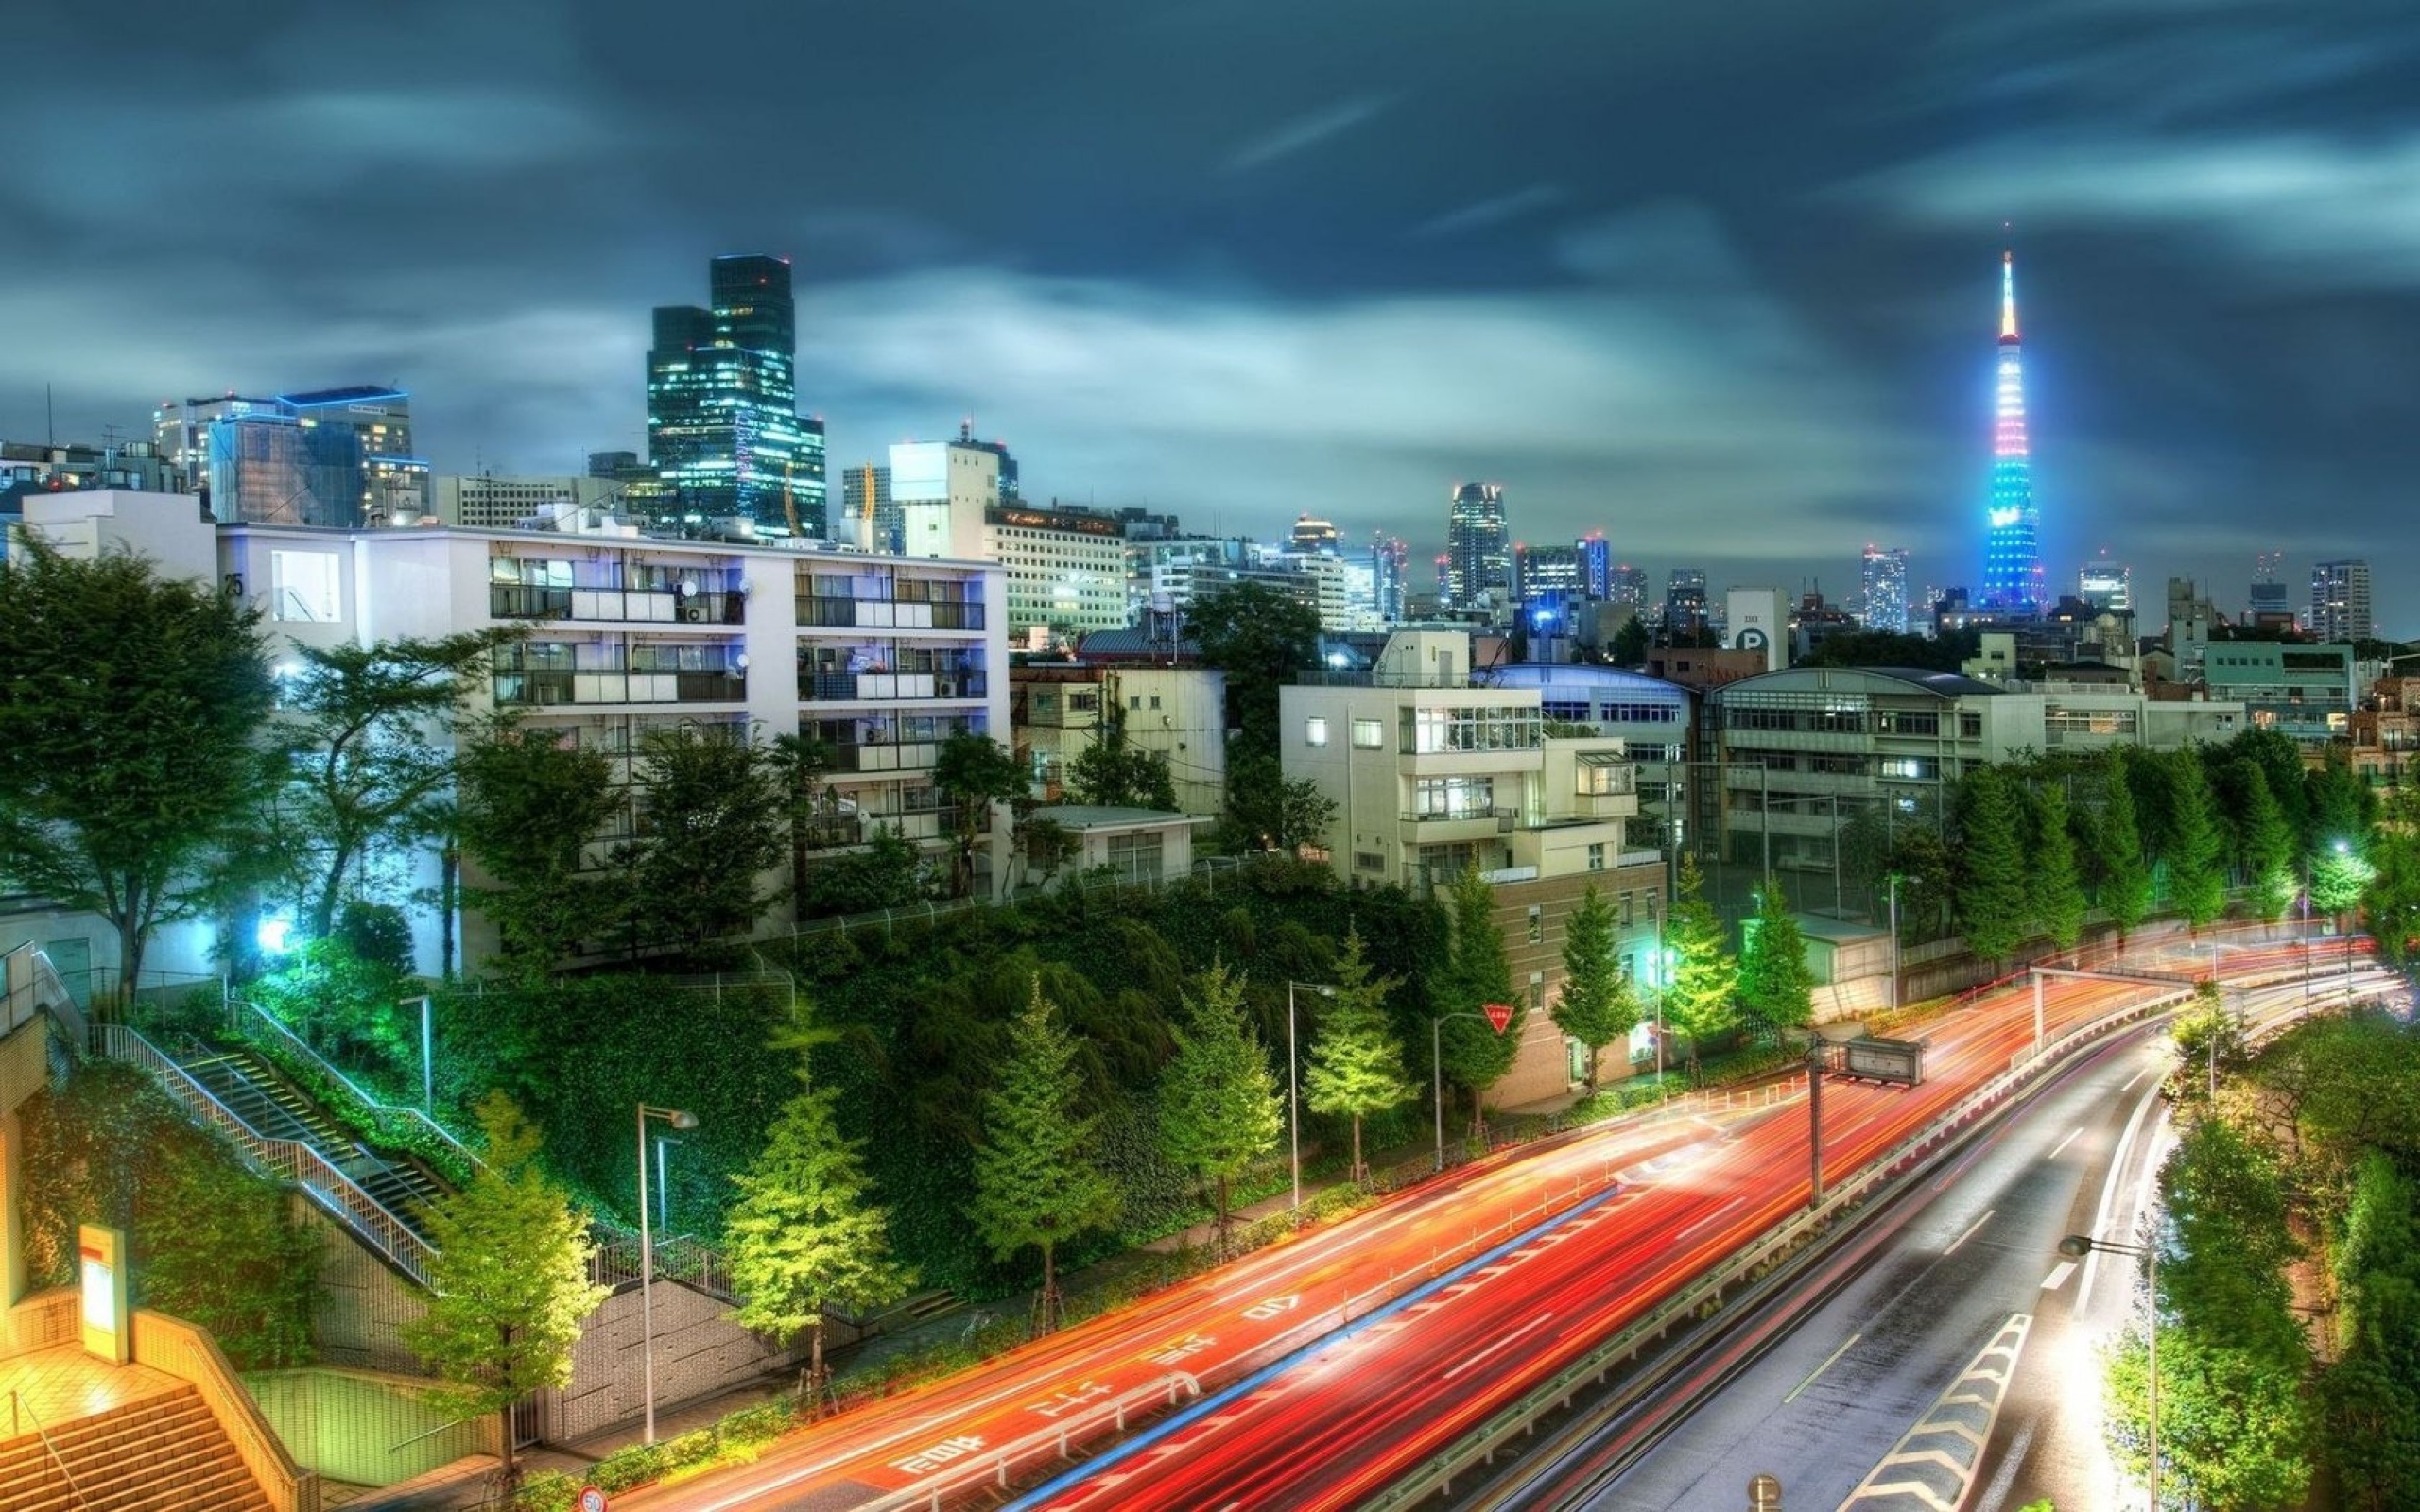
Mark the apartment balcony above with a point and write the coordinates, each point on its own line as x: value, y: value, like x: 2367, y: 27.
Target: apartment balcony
x: 1476, y: 824
x: 886, y: 756
x: 820, y: 611
x: 887, y: 687
x: 632, y: 605
x: 546, y: 689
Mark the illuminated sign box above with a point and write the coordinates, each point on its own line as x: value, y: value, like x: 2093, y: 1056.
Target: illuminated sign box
x: 101, y: 1276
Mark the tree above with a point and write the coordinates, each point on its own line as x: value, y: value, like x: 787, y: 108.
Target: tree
x: 2057, y: 892
x: 2338, y: 879
x: 509, y: 1283
x: 2391, y: 902
x: 1629, y: 648
x: 1259, y: 636
x: 2279, y: 761
x: 1598, y: 1004
x: 2125, y: 882
x: 530, y: 807
x: 2264, y: 843
x: 1994, y: 913
x: 130, y: 707
x: 710, y: 826
x: 1775, y: 983
x: 1477, y: 973
x: 1266, y: 812
x: 1946, y: 652
x: 2196, y: 844
x: 1220, y: 1110
x: 976, y: 772
x: 1702, y: 999
x: 360, y: 764
x: 803, y: 761
x: 1355, y: 1068
x: 1038, y: 1179
x: 887, y: 873
x: 806, y: 1235
x: 1114, y: 774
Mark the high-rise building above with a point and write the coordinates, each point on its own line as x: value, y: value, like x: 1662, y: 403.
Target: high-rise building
x: 1885, y: 583
x: 2013, y: 582
x: 2105, y: 584
x: 1477, y: 570
x: 1390, y: 577
x: 2340, y: 601
x: 182, y: 434
x: 1541, y: 570
x: 723, y: 427
x: 1627, y: 584
x: 394, y: 484
x: 1314, y: 534
x: 2269, y: 585
x: 1684, y: 600
x: 1595, y: 564
x: 866, y: 505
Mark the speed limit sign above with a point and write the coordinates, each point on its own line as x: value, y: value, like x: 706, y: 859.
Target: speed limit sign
x: 591, y: 1499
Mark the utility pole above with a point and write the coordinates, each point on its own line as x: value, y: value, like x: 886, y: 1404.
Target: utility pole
x: 1815, y: 1119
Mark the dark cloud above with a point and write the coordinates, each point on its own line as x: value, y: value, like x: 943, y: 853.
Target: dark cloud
x: 1716, y: 279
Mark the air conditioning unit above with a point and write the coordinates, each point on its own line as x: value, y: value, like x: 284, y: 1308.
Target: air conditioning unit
x: 691, y: 614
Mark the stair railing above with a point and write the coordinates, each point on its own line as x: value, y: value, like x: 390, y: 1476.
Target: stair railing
x: 18, y: 1404
x: 247, y: 1015
x: 286, y: 1160
x: 34, y: 987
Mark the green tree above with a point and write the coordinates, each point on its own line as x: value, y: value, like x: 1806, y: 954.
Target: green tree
x: 975, y: 771
x: 1355, y: 1068
x: 1702, y: 998
x: 1038, y: 1179
x: 2342, y: 806
x: 2197, y: 846
x: 710, y: 826
x: 1477, y: 973
x: 1888, y: 648
x: 887, y: 873
x: 509, y: 1285
x: 802, y: 762
x: 2391, y: 902
x: 530, y: 807
x: 131, y: 710
x: 1994, y: 911
x: 1267, y: 813
x: 1598, y: 1004
x: 2125, y: 893
x: 1259, y: 636
x: 1220, y: 1111
x: 1628, y: 646
x: 362, y: 757
x: 2279, y: 760
x: 2371, y: 1396
x: 1776, y: 986
x: 1116, y: 774
x: 806, y: 1235
x: 2338, y: 880
x: 2264, y: 842
x: 2057, y: 891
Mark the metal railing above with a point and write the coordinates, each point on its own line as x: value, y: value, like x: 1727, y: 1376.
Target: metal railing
x: 18, y: 1404
x: 286, y: 1160
x: 34, y: 986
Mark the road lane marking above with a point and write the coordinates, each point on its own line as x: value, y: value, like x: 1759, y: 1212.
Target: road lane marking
x: 2109, y: 1188
x: 2059, y: 1148
x: 2058, y: 1277
x: 1821, y: 1369
x: 1537, y: 1322
x: 2138, y: 1076
x: 1716, y: 1217
x: 1970, y: 1231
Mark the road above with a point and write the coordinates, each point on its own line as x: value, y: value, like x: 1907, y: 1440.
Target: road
x: 1353, y: 1416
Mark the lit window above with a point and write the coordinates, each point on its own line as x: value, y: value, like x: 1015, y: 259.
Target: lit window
x: 1314, y: 732
x: 303, y: 586
x: 1368, y: 734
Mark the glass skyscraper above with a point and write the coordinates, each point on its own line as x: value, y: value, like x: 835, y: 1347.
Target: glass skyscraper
x: 1883, y: 582
x: 2013, y: 582
x: 1476, y: 569
x: 723, y: 431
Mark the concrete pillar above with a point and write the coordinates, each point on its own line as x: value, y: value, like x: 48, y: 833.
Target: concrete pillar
x: 12, y: 1229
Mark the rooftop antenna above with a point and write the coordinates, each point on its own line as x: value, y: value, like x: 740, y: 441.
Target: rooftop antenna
x: 49, y: 420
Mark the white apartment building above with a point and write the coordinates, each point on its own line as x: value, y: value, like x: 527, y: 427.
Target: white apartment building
x: 883, y: 657
x: 485, y: 502
x: 1065, y: 569
x: 1177, y: 713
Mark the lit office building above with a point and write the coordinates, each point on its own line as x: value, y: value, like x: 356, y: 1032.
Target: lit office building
x: 1884, y: 582
x: 2340, y: 601
x: 723, y: 428
x: 2106, y: 585
x: 1475, y: 573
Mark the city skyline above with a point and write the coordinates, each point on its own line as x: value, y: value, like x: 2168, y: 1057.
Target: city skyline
x: 1753, y: 359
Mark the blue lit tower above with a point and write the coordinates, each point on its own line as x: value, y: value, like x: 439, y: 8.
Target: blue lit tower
x: 723, y: 429
x: 2013, y: 582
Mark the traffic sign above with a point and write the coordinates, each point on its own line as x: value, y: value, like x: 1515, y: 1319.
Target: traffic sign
x: 591, y: 1499
x: 1500, y: 1015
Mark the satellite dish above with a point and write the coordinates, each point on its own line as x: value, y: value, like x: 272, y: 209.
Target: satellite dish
x: 1163, y: 602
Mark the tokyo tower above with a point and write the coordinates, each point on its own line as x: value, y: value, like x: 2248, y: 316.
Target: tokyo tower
x: 2013, y: 582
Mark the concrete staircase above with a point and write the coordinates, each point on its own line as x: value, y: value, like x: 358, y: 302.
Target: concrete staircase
x: 163, y: 1453
x: 251, y: 1088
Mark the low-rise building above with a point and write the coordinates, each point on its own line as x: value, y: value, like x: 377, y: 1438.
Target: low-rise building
x: 2303, y: 691
x: 2385, y: 733
x: 1177, y: 713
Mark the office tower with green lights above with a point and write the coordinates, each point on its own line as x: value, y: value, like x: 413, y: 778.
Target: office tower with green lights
x: 723, y: 432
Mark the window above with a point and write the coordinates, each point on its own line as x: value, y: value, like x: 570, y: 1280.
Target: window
x: 1970, y: 727
x: 1155, y: 701
x: 1597, y: 855
x: 1452, y: 797
x: 1629, y: 904
x: 1135, y: 857
x: 1537, y: 989
x: 1315, y: 731
x: 303, y: 586
x: 1537, y: 923
x: 1134, y: 700
x: 1369, y: 861
x: 1600, y: 774
x: 1368, y: 734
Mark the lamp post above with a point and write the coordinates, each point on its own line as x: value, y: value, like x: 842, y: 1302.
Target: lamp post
x: 683, y: 1119
x: 427, y: 1055
x: 1659, y: 980
x: 1295, y: 1084
x: 1892, y: 882
x: 1437, y: 1069
x: 2075, y: 1246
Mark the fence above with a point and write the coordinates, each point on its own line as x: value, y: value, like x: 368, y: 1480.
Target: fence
x: 181, y: 1349
x: 1207, y: 872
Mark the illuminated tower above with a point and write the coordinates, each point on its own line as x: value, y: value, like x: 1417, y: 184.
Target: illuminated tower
x: 2013, y: 582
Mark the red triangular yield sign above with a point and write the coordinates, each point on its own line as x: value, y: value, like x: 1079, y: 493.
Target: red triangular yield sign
x: 1500, y: 1015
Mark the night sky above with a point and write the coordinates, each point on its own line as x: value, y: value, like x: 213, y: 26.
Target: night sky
x: 1719, y: 279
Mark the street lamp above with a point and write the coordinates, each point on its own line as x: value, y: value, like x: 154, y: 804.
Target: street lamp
x: 427, y: 1055
x: 1437, y: 1067
x: 2077, y: 1245
x: 685, y: 1121
x: 1893, y: 882
x: 1295, y: 1084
